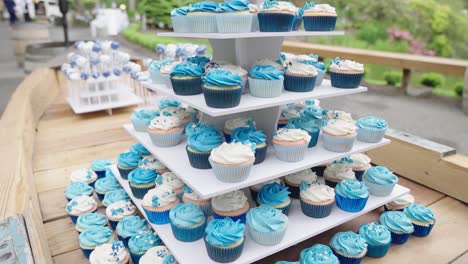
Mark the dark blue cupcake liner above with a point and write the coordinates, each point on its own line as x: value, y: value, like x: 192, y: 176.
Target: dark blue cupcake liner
x: 227, y: 137
x: 422, y: 231
x: 136, y: 256
x: 316, y: 211
x: 92, y: 183
x: 113, y: 224
x: 349, y: 204
x: 319, y: 170
x: 190, y: 86
x: 275, y: 22
x: 241, y: 217
x: 189, y: 234
x: 377, y: 251
x: 330, y: 183
x: 198, y: 160
x: 87, y: 252
x: 224, y: 254
x: 314, y: 135
x: 388, y: 209
x: 347, y: 260
x: 158, y: 218
x: 294, y: 190
x: 100, y: 196
x: 124, y: 240
x: 297, y: 23
x: 254, y: 195
x: 345, y: 80
x: 358, y: 174
x: 299, y: 84
x: 260, y: 154
x: 124, y: 172
x: 399, y: 239
x: 100, y: 174
x: 319, y: 23
x: 222, y: 98
x: 73, y: 218
x: 138, y: 191
x: 281, y: 125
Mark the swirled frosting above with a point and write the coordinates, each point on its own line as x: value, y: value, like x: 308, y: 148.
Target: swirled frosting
x: 187, y: 69
x: 75, y: 189
x: 120, y: 209
x: 89, y: 220
x: 396, y: 221
x: 165, y: 122
x: 109, y: 253
x: 233, y: 6
x: 338, y: 114
x: 224, y: 232
x: 268, y: 62
x: 95, y: 236
x: 106, y: 184
x: 311, y: 8
x: 232, y: 153
x: 199, y: 60
x: 339, y: 127
x: 234, y: 69
x: 100, y: 164
x: 143, y: 241
x: 186, y: 215
x: 169, y: 179
x: 346, y: 65
x: 222, y: 78
x: 341, y: 169
x: 205, y: 140
x: 281, y: 6
x: 273, y: 194
x: 266, y: 72
x: 158, y: 255
x: 83, y: 175
x: 159, y: 197
x: 306, y: 175
x: 317, y: 193
x: 203, y: 7
x: 352, y: 188
x: 144, y: 114
x: 151, y: 163
x: 181, y: 11
x: 302, y: 69
x: 230, y: 201
x: 360, y: 160
x: 287, y: 114
x: 404, y: 200
x: 142, y: 176
x: 312, y: 113
x: 139, y: 149
x: 375, y: 233
x: 380, y: 175
x: 131, y: 225
x: 348, y: 243
x: 80, y: 204
x: 128, y: 159
x: 419, y: 213
x: 306, y: 123
x: 192, y: 128
x: 258, y: 186
x: 266, y: 219
x: 371, y: 122
x: 165, y: 103
x: 318, y: 254
x: 115, y: 196
x: 190, y: 194
x: 242, y: 134
x: 292, y: 134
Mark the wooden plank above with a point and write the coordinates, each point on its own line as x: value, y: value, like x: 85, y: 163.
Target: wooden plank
x: 72, y: 257
x: 56, y: 178
x: 463, y: 259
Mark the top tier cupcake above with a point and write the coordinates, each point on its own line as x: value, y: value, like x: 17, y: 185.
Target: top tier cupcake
x: 346, y: 73
x: 202, y: 17
x: 234, y: 17
x: 277, y: 16
x: 319, y: 17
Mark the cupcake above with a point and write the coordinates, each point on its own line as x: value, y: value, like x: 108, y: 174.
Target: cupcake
x: 114, y: 252
x: 80, y: 205
x: 140, y: 150
x: 84, y: 175
x: 338, y: 136
x: 351, y: 195
x: 318, y: 254
x: 275, y: 195
x: 232, y: 124
x: 222, y: 89
x: 232, y: 204
x: 94, y: 237
x: 130, y: 226
x: 298, y: 21
x: 267, y: 225
x: 168, y: 103
x: 290, y: 144
x: 172, y: 181
x: 88, y: 220
x: 234, y: 17
x: 237, y: 70
x: 157, y: 203
x: 232, y: 162
x: 155, y: 70
x: 346, y: 74
x: 338, y: 171
x: 188, y: 222
x: 202, y: 17
x: 338, y: 115
x: 300, y: 77
x: 141, y: 118
x: 255, y: 189
x: 253, y: 9
x: 285, y: 115
x: 199, y: 147
x: 308, y: 124
x: 118, y: 211
x: 315, y: 114
x: 277, y: 16
x: 152, y: 163
x: 321, y: 17
x: 186, y: 79
x: 349, y: 247
x: 115, y: 196
x: 105, y: 185
x: 294, y: 180
x: 224, y: 240
x: 268, y: 62
x: 321, y: 70
x: 140, y: 243
x: 165, y: 131
x: 422, y: 218
x: 317, y: 200
x: 399, y: 226
x: 141, y: 181
x: 378, y: 239
x: 265, y: 81
x: 400, y: 203
x: 199, y: 60
x: 190, y: 196
x: 250, y: 134
x: 158, y: 255
x: 127, y: 162
x: 76, y: 189
x: 99, y: 166
x: 371, y: 129
x: 179, y: 20
x: 361, y: 163
x: 380, y: 180
x: 180, y: 112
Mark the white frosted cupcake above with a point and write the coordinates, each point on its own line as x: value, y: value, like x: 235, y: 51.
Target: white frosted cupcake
x: 170, y: 179
x: 300, y: 77
x: 290, y: 144
x: 268, y: 62
x: 118, y: 211
x: 339, y: 115
x: 114, y: 253
x: 158, y: 255
x: 84, y: 175
x: 80, y: 205
x: 232, y: 204
x: 294, y: 180
x: 157, y: 204
x: 165, y: 131
x: 232, y: 162
x: 339, y: 135
x: 400, y: 203
x: 361, y: 163
x: 152, y: 163
x: 346, y: 74
x: 317, y: 200
x: 339, y: 170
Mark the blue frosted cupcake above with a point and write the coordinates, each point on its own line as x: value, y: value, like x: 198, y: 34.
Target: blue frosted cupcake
x: 321, y: 17
x: 298, y: 21
x: 232, y: 124
x: 126, y: 162
x: 114, y: 252
x: 105, y: 185
x: 141, y: 118
x: 115, y: 196
x: 168, y: 103
x: 84, y: 175
x: 243, y: 134
x: 140, y: 243
x: 380, y: 180
x: 232, y: 162
x: 188, y: 222
x: 290, y: 144
x: 422, y: 218
x: 222, y: 89
x: 399, y: 226
x: 295, y: 179
x: 351, y: 195
x: 76, y: 189
x: 202, y: 17
x: 378, y: 239
x: 349, y: 247
x: 317, y: 200
x: 166, y: 131
x: 234, y: 17
x: 80, y: 205
x: 99, y: 166
x: 318, y: 254
x: 265, y: 81
x: 224, y: 240
x: 339, y: 135
x: 285, y: 115
x: 286, y: 262
x: 118, y: 211
x: 371, y: 129
x: 232, y: 204
x: 192, y: 128
x: 179, y: 20
x: 139, y: 149
x: 199, y: 60
x: 130, y: 226
x: 89, y: 220
x: 109, y: 173
x: 155, y: 70
x: 200, y: 145
x: 186, y: 79
x: 277, y: 16
x: 267, y: 225
x: 190, y: 196
x: 141, y: 181
x: 300, y: 77
x: 93, y: 237
x: 360, y: 163
x: 346, y: 74
x: 158, y: 202
x: 308, y: 124
x: 275, y: 195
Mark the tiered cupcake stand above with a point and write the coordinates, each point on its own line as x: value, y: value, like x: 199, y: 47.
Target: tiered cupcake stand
x: 244, y: 49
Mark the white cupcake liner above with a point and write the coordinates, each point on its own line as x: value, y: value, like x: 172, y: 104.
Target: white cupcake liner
x: 203, y: 23
x: 290, y: 153
x: 139, y: 125
x: 254, y: 23
x: 234, y: 23
x: 370, y: 135
x: 379, y: 189
x: 265, y: 88
x: 180, y: 24
x: 320, y: 76
x: 166, y: 140
x: 231, y: 174
x: 267, y: 238
x: 338, y: 144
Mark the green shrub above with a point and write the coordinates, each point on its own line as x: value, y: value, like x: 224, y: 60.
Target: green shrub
x: 371, y: 32
x: 459, y: 89
x: 392, y: 77
x: 431, y: 79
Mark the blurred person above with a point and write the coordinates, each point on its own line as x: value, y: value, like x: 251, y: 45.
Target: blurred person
x: 10, y: 6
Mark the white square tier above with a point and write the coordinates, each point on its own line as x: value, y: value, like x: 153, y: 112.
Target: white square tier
x: 300, y: 228
x: 257, y: 34
x: 205, y: 183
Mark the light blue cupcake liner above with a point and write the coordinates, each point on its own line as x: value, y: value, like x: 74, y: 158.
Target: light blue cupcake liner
x: 158, y: 218
x: 422, y: 230
x: 267, y: 238
x: 205, y: 23
x: 231, y: 173
x: 316, y: 211
x: 254, y: 23
x: 347, y: 259
x: 338, y: 144
x: 180, y: 24
x: 136, y: 256
x: 370, y: 135
x: 290, y: 153
x: 234, y: 23
x: 189, y: 234
x: 399, y: 238
x: 241, y: 217
x: 166, y: 140
x: 379, y: 189
x: 224, y: 254
x: 350, y: 204
x: 320, y: 77
x: 139, y: 192
x: 345, y: 80
x: 156, y: 77
x: 265, y: 88
x: 139, y: 125
x: 377, y: 251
